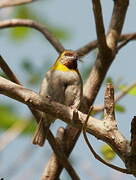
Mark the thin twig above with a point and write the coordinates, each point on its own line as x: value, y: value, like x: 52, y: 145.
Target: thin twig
x: 9, y: 3
x: 6, y: 69
x: 95, y: 154
x: 126, y: 41
x: 35, y: 25
x: 87, y: 48
x: 118, y: 96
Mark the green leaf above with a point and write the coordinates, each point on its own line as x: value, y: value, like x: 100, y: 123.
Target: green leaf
x: 119, y: 108
x: 28, y: 66
x: 59, y: 33
x: 19, y: 33
x: 107, y: 152
x: 109, y: 80
x: 131, y: 91
x: 22, y: 12
x: 8, y: 117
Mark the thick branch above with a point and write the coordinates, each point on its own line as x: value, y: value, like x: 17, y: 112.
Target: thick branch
x: 92, y: 149
x: 101, y: 38
x: 56, y: 147
x: 101, y: 66
x: 61, y: 157
x: 9, y: 3
x: 99, y: 71
x: 116, y: 23
x: 54, y: 161
x: 131, y: 156
x: 33, y: 24
x: 133, y: 136
x: 94, y: 126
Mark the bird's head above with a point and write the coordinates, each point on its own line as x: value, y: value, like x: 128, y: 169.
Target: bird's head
x: 69, y: 59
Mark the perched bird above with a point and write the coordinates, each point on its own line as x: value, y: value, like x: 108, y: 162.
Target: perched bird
x: 62, y: 83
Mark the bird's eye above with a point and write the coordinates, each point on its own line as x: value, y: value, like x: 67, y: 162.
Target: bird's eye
x: 69, y: 54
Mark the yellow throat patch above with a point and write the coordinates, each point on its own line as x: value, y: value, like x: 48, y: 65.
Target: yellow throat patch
x: 60, y: 67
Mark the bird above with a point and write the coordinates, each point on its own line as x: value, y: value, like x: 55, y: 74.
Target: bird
x: 62, y: 83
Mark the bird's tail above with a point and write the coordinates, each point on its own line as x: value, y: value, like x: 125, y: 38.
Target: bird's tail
x: 40, y: 134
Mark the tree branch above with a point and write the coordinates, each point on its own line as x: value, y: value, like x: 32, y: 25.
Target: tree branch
x: 109, y: 113
x: 61, y: 157
x: 34, y: 100
x: 129, y: 38
x: 133, y: 136
x: 56, y: 147
x: 99, y: 71
x: 33, y: 24
x: 9, y: 3
x: 54, y: 161
x: 116, y: 23
x: 101, y: 66
x: 4, y: 66
x: 101, y: 38
x: 93, y: 151
x: 117, y: 97
x: 93, y: 44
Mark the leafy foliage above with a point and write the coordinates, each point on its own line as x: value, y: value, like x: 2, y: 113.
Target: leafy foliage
x: 8, y: 117
x: 107, y: 152
x: 130, y: 92
x: 119, y: 108
x: 21, y: 33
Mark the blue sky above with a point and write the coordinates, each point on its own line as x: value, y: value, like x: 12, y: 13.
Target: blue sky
x: 77, y: 17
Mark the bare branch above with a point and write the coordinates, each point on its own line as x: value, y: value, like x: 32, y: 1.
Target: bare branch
x: 117, y: 97
x: 33, y: 24
x: 116, y: 23
x: 133, y: 137
x: 101, y: 38
x: 54, y: 161
x: 4, y: 66
x: 9, y: 3
x: 109, y: 113
x: 87, y: 48
x: 93, y: 44
x: 131, y: 156
x: 56, y: 147
x: 129, y: 38
x: 61, y: 157
x: 34, y: 100
x: 95, y: 154
x: 98, y: 73
x: 125, y: 91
